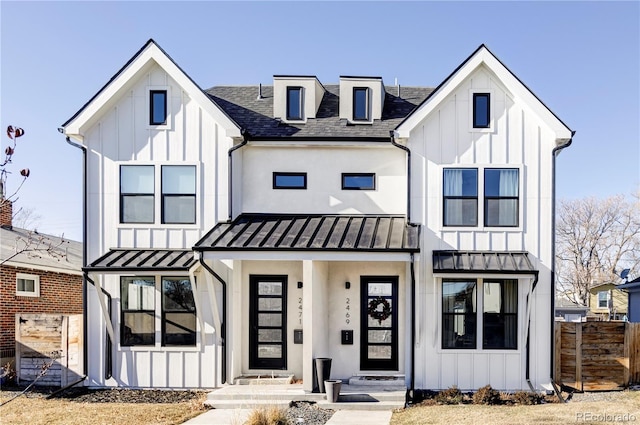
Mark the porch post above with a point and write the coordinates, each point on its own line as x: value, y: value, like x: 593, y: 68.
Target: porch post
x: 315, y: 317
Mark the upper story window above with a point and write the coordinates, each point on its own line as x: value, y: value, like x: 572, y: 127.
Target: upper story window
x: 137, y: 193
x: 294, y: 103
x: 358, y: 181
x: 361, y: 104
x: 27, y: 285
x: 178, y: 312
x: 501, y: 188
x: 603, y: 299
x: 178, y: 194
x: 289, y: 180
x: 138, y: 301
x: 481, y: 110
x: 460, y: 197
x: 158, y: 107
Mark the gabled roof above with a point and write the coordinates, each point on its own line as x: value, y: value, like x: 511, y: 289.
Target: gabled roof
x: 483, y: 56
x: 276, y: 232
x: 143, y: 260
x: 38, y: 251
x: 148, y: 55
x: 255, y: 114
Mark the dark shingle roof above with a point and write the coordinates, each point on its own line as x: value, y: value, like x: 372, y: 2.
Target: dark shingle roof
x: 143, y: 260
x: 482, y: 261
x: 261, y: 232
x: 255, y: 115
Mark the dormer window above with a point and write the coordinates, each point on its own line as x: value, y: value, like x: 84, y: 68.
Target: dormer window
x: 294, y: 103
x: 158, y: 107
x: 481, y: 110
x: 361, y: 104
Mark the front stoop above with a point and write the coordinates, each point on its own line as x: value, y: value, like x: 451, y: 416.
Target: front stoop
x: 352, y: 397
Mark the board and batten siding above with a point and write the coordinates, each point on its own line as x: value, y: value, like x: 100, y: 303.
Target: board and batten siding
x: 123, y: 136
x: 518, y: 139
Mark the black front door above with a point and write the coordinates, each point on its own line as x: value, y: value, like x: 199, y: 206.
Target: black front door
x: 268, y: 322
x: 379, y: 323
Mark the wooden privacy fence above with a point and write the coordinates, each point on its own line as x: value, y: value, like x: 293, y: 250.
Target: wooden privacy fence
x: 42, y: 337
x: 596, y: 356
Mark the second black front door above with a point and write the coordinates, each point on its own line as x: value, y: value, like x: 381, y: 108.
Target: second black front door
x: 379, y: 323
x: 268, y: 322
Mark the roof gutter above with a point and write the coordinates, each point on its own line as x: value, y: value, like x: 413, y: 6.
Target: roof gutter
x: 85, y: 349
x: 245, y: 140
x: 554, y: 154
x: 223, y: 327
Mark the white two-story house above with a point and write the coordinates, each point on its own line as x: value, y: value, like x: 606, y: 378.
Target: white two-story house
x: 248, y: 230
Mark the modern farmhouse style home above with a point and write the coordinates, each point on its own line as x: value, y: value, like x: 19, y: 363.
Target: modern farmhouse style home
x: 237, y: 231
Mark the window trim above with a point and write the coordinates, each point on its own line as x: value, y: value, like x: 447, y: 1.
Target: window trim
x: 486, y: 198
x: 122, y: 194
x: 477, y: 197
x: 367, y: 106
x: 300, y: 116
x: 346, y: 175
x: 36, y: 285
x: 194, y: 195
x: 606, y: 300
x: 472, y: 109
x: 152, y: 107
x: 486, y: 118
x: 277, y: 174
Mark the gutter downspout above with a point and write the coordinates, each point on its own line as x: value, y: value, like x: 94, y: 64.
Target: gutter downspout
x: 223, y: 328
x: 245, y: 136
x: 85, y: 349
x: 108, y: 366
x: 554, y: 154
x: 412, y: 266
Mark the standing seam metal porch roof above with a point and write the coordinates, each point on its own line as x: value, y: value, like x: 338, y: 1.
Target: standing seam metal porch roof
x: 262, y: 232
x: 137, y: 260
x: 516, y: 262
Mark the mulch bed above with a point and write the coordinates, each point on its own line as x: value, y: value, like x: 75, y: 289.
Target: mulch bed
x: 87, y: 395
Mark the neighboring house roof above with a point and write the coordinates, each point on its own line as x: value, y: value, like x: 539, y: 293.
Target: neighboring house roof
x: 482, y: 56
x: 633, y: 285
x: 141, y: 260
x: 567, y: 305
x: 33, y: 250
x: 268, y: 232
x: 255, y: 114
x: 603, y: 287
x: 482, y: 261
x: 140, y: 63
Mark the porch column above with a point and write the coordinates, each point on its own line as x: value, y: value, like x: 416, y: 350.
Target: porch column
x: 315, y: 317
x: 236, y: 322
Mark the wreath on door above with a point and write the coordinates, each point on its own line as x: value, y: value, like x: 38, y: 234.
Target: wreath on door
x: 379, y: 314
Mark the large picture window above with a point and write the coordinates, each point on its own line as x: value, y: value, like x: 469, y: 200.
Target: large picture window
x: 137, y: 194
x: 137, y: 296
x: 460, y: 197
x: 494, y: 321
x: 178, y: 312
x: 501, y: 200
x: 179, y: 194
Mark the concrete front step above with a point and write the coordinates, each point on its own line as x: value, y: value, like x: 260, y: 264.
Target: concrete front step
x: 340, y: 405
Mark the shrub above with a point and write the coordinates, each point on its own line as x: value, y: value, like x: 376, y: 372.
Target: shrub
x: 268, y: 416
x: 527, y: 398
x: 486, y: 395
x: 450, y: 396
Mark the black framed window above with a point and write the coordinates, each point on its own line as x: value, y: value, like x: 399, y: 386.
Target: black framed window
x: 137, y: 187
x: 294, y: 103
x: 158, y: 107
x: 501, y: 197
x: 289, y: 180
x: 178, y: 194
x: 358, y: 181
x: 500, y: 314
x: 459, y: 319
x: 138, y: 323
x: 460, y: 193
x: 360, y: 104
x: 178, y: 312
x: 481, y: 110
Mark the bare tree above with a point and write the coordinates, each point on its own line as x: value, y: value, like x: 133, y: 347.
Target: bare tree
x: 26, y: 218
x: 596, y: 239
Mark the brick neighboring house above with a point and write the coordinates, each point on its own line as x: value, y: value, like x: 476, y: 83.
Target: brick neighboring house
x: 38, y: 274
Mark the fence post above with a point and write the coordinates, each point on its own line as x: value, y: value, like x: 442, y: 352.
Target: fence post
x: 579, y: 356
x: 558, y: 352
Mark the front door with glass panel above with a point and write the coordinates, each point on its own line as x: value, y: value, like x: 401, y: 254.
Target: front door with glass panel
x: 267, y: 322
x: 379, y: 323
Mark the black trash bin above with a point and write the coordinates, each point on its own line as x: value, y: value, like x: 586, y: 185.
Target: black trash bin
x: 323, y: 372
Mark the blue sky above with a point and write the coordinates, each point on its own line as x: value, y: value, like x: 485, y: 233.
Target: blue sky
x: 581, y: 58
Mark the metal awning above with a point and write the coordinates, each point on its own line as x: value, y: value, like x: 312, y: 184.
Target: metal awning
x: 264, y: 232
x: 140, y: 260
x: 512, y: 262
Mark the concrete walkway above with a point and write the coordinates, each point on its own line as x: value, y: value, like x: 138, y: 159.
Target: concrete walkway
x: 340, y: 417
